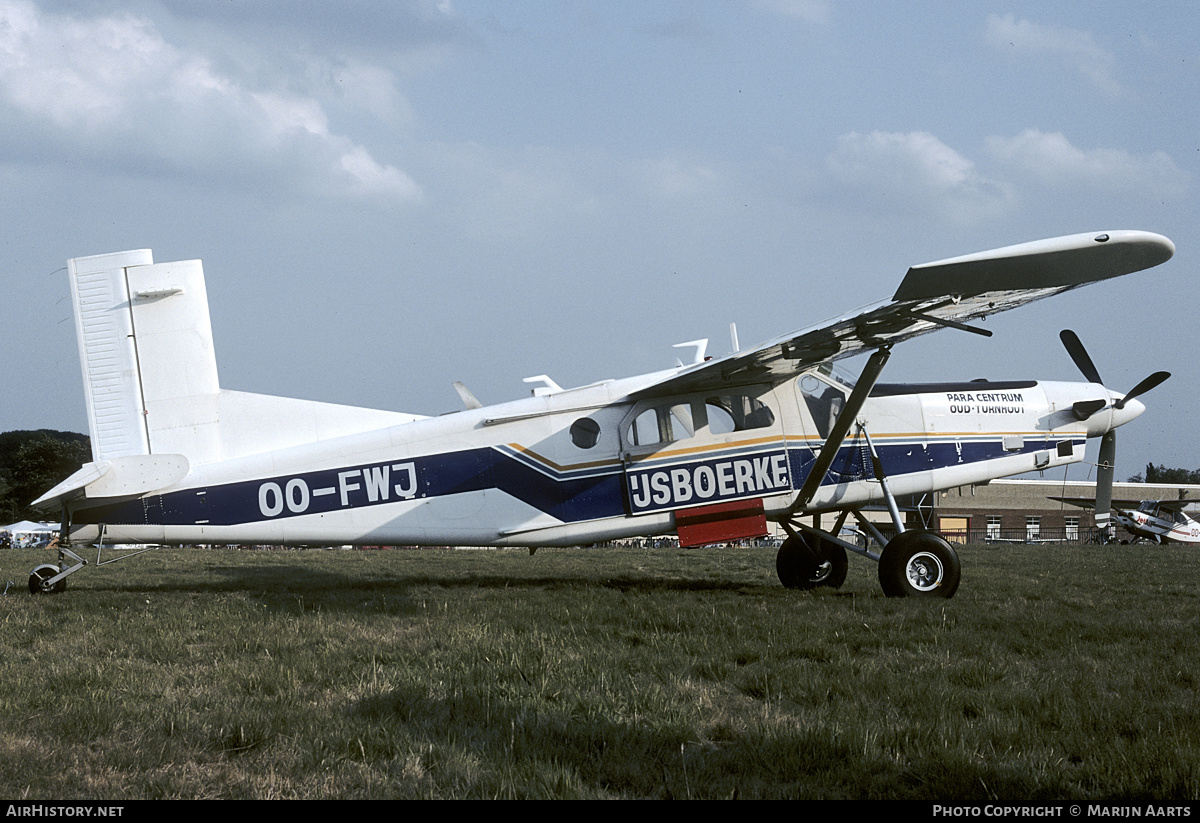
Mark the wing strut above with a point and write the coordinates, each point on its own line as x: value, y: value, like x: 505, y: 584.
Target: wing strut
x: 841, y: 426
x: 881, y: 476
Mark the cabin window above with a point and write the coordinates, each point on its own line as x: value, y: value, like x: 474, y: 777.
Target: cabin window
x: 737, y: 412
x: 585, y: 433
x: 671, y: 420
x: 662, y: 424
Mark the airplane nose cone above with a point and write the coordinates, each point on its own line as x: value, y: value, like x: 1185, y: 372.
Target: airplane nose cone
x: 1129, y: 411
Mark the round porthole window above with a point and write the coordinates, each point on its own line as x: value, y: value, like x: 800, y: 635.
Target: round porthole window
x: 585, y: 432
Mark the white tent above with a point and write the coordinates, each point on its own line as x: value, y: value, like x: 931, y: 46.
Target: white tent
x: 28, y: 534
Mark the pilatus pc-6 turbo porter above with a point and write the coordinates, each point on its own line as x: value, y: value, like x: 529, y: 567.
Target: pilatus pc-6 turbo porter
x: 710, y: 451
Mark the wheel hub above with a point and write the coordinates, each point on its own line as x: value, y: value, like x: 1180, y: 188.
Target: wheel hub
x: 924, y: 571
x: 823, y: 571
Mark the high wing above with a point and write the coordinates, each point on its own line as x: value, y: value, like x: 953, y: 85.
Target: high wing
x: 1090, y: 503
x: 1175, y: 505
x: 946, y: 293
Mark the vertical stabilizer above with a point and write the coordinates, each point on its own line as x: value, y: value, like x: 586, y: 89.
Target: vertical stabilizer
x: 145, y: 344
x: 150, y: 375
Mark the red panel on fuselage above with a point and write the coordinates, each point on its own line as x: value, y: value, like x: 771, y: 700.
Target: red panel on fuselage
x: 735, y: 520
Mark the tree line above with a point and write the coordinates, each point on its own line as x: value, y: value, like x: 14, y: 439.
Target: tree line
x: 1162, y: 474
x: 33, y: 462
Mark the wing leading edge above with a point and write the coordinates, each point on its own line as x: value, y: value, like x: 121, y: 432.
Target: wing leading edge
x: 930, y: 297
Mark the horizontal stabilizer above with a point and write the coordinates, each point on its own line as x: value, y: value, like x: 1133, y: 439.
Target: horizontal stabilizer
x: 118, y: 477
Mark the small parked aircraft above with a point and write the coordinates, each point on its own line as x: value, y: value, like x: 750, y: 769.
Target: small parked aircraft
x: 1160, y: 521
x: 710, y: 451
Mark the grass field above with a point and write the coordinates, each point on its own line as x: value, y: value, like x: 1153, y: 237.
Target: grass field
x: 1056, y: 673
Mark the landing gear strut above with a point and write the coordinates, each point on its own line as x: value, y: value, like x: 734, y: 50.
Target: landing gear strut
x: 49, y: 578
x: 912, y: 564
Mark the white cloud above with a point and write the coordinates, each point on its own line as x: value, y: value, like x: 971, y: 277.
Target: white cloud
x: 892, y: 171
x: 1076, y: 48
x: 1052, y: 160
x: 373, y: 178
x: 113, y: 86
x: 675, y: 177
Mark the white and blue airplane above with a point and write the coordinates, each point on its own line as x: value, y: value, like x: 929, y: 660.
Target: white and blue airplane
x: 710, y: 451
x: 1157, y: 521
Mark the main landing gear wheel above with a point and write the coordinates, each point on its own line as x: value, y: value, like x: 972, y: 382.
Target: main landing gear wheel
x: 39, y: 576
x: 919, y: 564
x: 807, y: 562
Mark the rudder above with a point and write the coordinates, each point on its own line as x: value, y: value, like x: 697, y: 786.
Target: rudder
x: 146, y: 350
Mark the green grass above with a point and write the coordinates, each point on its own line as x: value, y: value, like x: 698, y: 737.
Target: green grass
x: 1055, y: 673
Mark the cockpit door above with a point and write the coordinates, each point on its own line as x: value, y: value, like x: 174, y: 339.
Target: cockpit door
x: 703, y: 449
x: 822, y: 398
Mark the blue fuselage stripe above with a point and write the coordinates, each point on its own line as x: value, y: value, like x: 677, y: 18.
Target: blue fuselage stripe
x: 565, y: 496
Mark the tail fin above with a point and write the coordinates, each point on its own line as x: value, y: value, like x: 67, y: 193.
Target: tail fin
x: 145, y: 345
x: 155, y: 408
x: 150, y: 372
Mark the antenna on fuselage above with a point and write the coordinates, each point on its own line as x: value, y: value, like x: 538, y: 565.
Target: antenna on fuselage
x: 548, y: 386
x: 701, y: 347
x: 467, y: 397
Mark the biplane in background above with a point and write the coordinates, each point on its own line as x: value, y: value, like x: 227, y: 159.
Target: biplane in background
x: 710, y: 451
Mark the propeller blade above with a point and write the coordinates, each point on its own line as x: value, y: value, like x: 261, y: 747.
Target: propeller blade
x: 1083, y: 409
x: 1143, y: 387
x: 1079, y: 354
x: 1104, y: 478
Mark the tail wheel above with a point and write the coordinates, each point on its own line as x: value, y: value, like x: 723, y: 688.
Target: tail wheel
x: 807, y: 562
x: 919, y: 564
x: 38, y: 580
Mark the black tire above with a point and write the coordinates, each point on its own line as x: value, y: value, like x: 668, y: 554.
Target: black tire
x: 39, y: 576
x: 919, y: 564
x: 806, y: 562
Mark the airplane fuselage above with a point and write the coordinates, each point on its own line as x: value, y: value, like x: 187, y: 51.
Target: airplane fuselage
x: 591, y: 464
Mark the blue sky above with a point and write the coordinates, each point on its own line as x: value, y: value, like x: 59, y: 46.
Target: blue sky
x: 391, y: 196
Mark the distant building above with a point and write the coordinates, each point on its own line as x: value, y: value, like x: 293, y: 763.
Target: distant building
x: 1007, y: 511
x: 1022, y: 511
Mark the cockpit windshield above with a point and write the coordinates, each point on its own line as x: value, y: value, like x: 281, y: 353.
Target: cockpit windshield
x: 1152, y: 508
x: 824, y: 392
x: 837, y: 374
